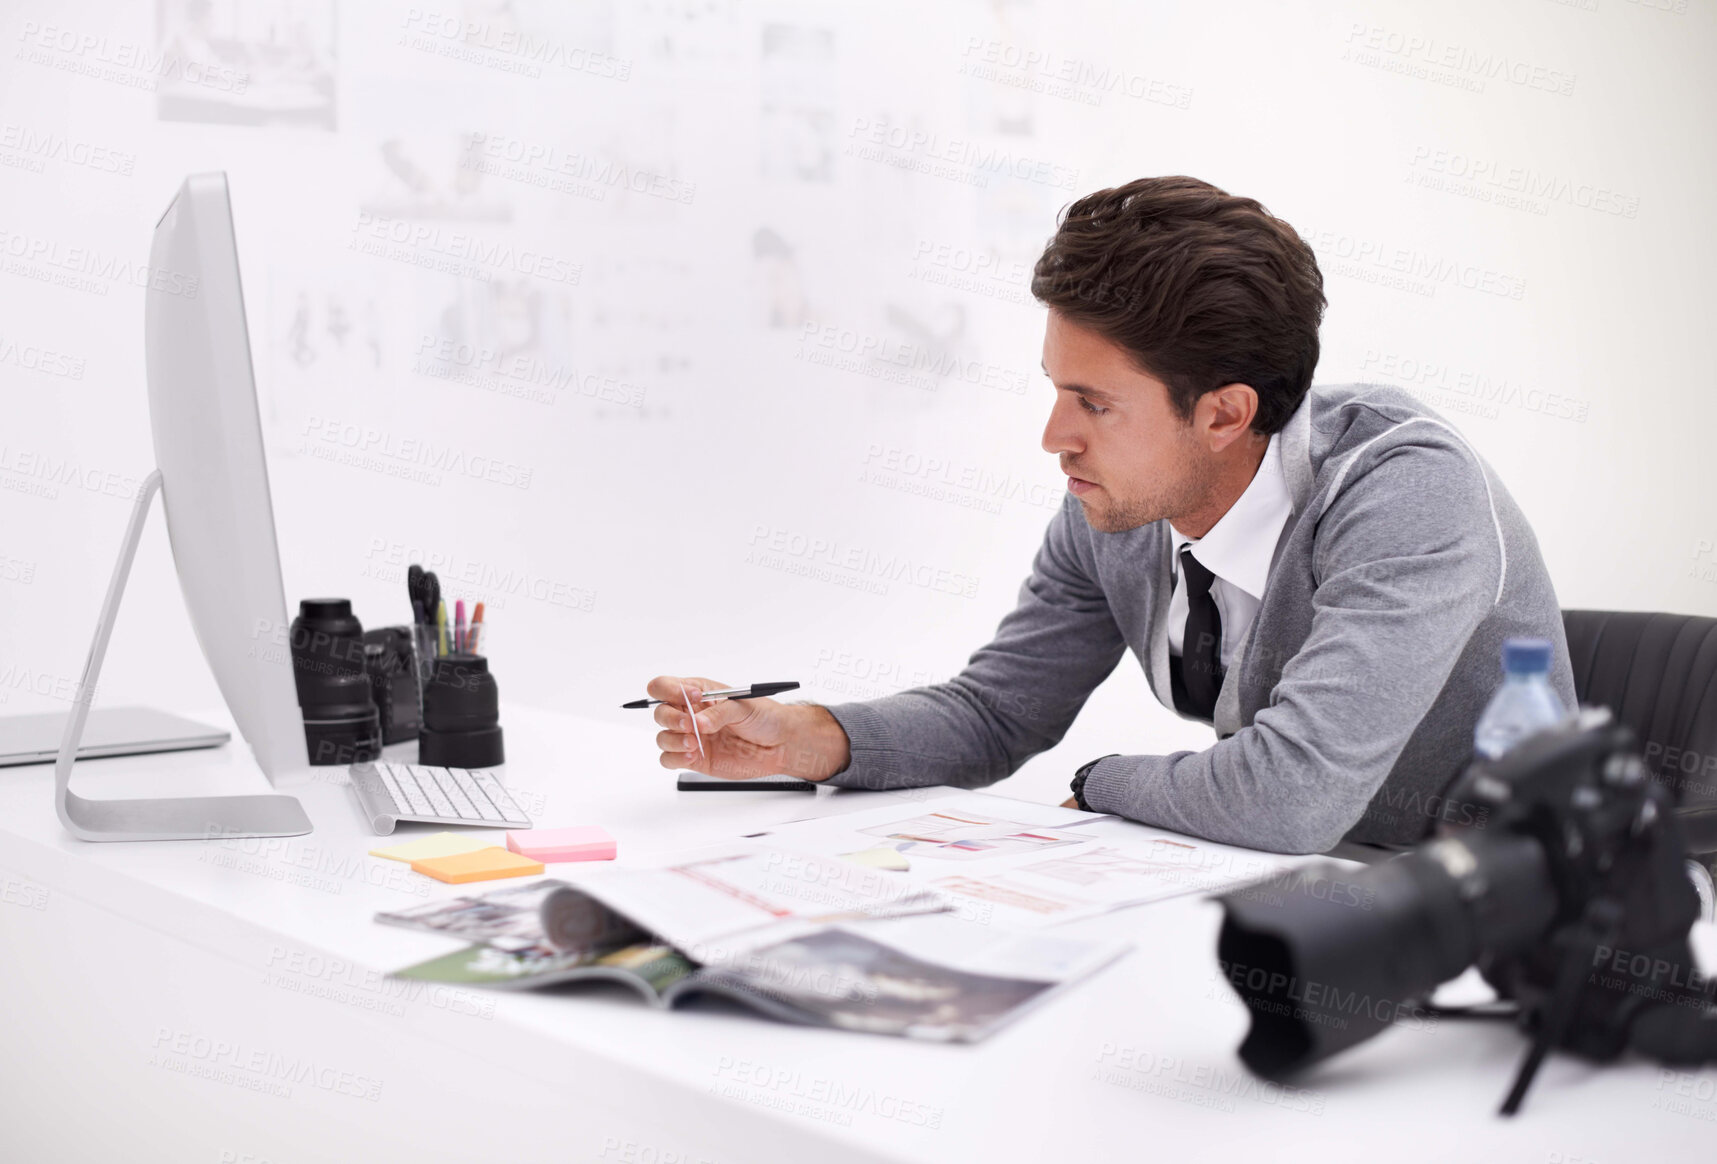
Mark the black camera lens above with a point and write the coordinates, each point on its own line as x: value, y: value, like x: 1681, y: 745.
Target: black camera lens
x: 461, y: 715
x: 342, y: 724
x: 1326, y: 956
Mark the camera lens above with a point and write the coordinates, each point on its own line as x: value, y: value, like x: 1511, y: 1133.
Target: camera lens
x: 1326, y: 956
x: 461, y: 715
x: 342, y: 724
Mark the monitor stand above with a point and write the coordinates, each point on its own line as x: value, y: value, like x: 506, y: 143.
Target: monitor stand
x: 175, y: 819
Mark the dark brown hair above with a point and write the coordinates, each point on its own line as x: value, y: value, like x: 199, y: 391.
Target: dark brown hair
x: 1200, y: 287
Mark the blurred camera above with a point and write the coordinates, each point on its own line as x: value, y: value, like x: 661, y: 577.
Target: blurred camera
x: 1572, y: 853
x: 390, y: 663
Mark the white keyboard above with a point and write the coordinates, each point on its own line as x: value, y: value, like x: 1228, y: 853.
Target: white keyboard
x: 390, y: 792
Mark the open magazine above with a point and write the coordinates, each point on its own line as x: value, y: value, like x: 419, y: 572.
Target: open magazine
x: 797, y: 937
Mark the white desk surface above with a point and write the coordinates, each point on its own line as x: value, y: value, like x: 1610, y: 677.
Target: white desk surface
x: 173, y: 985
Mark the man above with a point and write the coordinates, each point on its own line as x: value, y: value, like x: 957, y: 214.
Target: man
x: 1326, y: 576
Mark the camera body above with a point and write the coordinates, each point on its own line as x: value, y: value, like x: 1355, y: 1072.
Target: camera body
x: 1562, y: 880
x: 390, y: 662
x: 1615, y: 859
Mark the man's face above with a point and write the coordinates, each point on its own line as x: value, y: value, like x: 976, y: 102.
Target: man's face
x: 1129, y: 457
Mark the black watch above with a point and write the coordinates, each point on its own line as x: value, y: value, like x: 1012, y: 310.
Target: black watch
x: 1079, y: 781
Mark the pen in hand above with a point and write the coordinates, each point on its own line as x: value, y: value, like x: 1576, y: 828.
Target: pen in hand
x: 733, y: 733
x: 755, y: 691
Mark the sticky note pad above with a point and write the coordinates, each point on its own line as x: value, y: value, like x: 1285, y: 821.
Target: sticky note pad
x: 584, y: 843
x: 482, y: 865
x: 436, y: 845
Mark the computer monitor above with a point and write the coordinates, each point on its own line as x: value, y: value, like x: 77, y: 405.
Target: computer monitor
x: 210, y: 471
x: 208, y: 448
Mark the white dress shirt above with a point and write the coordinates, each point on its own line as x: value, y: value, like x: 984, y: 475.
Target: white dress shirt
x: 1237, y: 550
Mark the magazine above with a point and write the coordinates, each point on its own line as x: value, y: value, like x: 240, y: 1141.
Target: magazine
x: 795, y: 937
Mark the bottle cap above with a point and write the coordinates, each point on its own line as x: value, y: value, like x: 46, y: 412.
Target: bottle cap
x: 1526, y: 656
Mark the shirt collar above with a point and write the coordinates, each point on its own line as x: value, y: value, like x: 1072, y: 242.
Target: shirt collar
x: 1239, y: 547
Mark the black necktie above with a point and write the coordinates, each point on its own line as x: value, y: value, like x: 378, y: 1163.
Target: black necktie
x: 1196, y: 675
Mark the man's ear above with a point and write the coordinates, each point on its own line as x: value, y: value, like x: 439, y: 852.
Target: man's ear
x: 1226, y: 414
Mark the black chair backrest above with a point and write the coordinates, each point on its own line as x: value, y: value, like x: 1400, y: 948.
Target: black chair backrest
x: 1658, y: 674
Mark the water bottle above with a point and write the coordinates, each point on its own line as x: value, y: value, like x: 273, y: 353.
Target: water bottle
x: 1705, y: 888
x: 1525, y: 703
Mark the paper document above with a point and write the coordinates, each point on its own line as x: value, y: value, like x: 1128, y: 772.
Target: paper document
x: 1028, y: 865
x: 719, y: 895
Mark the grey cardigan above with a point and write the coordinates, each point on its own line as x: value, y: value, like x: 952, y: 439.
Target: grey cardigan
x: 1350, y: 704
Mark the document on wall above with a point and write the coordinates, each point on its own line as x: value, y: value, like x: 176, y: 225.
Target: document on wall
x: 1026, y: 865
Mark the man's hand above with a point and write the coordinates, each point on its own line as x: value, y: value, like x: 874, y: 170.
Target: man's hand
x: 1070, y: 802
x: 744, y: 738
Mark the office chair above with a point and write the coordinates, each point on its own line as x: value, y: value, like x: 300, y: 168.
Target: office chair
x: 1658, y: 674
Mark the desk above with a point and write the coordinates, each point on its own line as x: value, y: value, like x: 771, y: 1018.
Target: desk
x: 223, y: 1001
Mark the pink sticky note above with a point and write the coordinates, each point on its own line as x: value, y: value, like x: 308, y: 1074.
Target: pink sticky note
x: 582, y: 843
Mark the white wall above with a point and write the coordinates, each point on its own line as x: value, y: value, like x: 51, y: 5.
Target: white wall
x: 1556, y: 309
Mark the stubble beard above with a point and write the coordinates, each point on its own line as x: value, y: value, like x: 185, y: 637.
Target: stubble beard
x: 1180, y: 491
x: 1124, y: 513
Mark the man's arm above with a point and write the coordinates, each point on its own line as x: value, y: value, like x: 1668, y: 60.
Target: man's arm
x: 1016, y: 697
x: 1408, y: 562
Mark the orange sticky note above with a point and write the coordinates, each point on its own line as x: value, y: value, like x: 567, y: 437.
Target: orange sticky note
x: 480, y: 865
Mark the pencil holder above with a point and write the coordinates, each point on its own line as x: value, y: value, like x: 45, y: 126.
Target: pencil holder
x: 461, y: 715
x: 342, y: 724
x: 428, y: 647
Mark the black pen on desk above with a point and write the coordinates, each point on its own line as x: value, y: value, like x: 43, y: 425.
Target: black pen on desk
x: 755, y: 691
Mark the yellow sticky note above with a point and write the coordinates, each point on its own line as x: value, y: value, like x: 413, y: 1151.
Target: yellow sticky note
x: 482, y: 865
x: 436, y: 845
